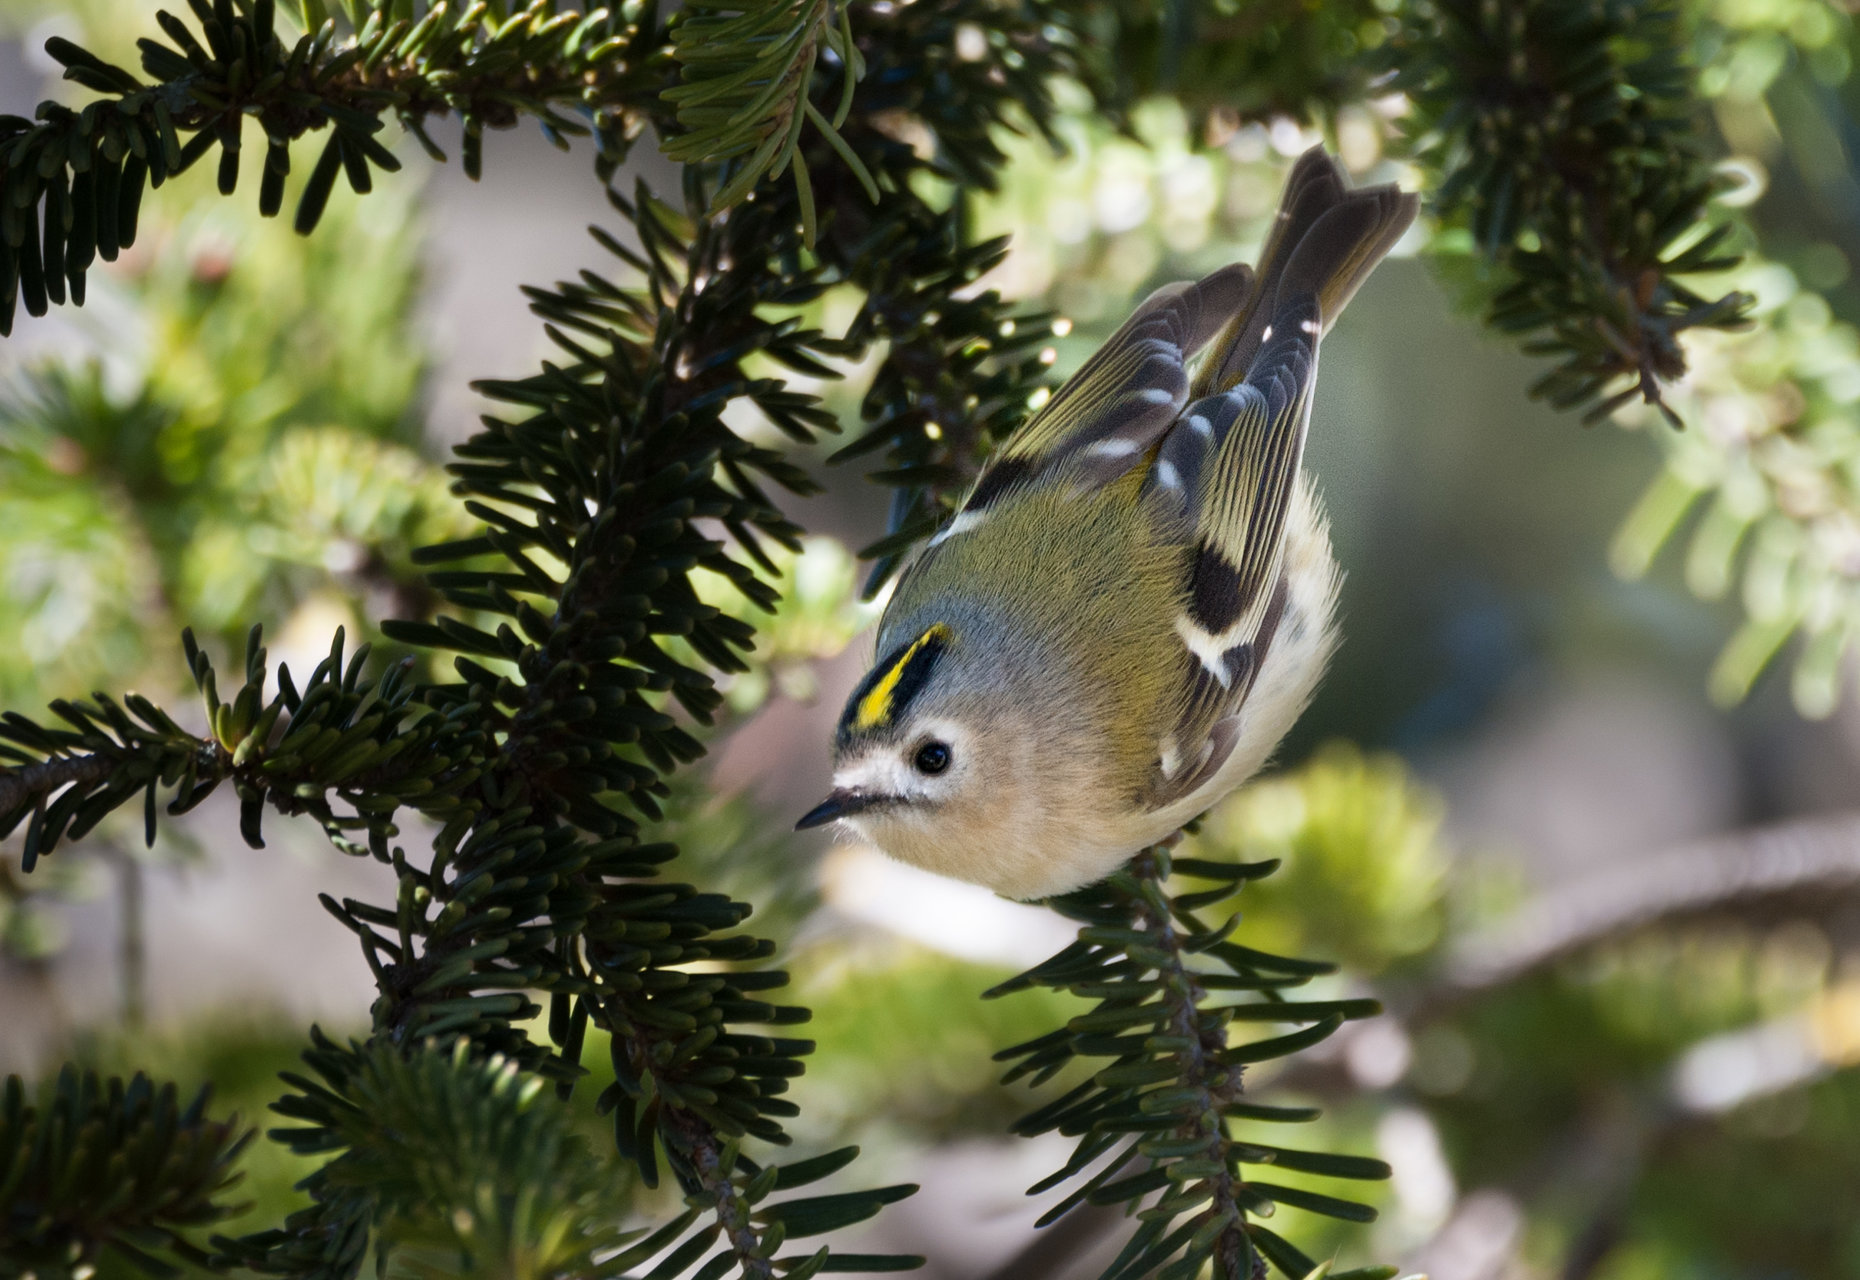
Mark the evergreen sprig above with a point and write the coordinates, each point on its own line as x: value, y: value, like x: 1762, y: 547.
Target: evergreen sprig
x: 454, y: 1164
x: 1563, y: 138
x: 92, y: 1168
x: 72, y: 180
x: 340, y: 739
x: 1775, y: 496
x: 748, y: 66
x: 543, y: 882
x: 1153, y: 1125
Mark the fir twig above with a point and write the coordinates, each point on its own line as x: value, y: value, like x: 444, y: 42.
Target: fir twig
x: 93, y: 1169
x: 1564, y: 138
x: 748, y: 66
x: 1153, y: 1125
x: 442, y: 1154
x: 31, y: 783
x: 72, y: 180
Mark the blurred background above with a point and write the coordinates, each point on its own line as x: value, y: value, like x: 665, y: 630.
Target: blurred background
x: 1617, y: 924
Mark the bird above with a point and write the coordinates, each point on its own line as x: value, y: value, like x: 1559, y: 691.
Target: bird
x: 1136, y: 599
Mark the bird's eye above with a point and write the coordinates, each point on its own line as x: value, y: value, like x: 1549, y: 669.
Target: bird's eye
x: 932, y: 757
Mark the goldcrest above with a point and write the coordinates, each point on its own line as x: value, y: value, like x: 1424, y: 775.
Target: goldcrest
x: 1136, y: 600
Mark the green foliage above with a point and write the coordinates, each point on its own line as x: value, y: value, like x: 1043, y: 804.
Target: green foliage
x: 240, y: 1055
x: 71, y: 185
x: 1562, y: 138
x: 1778, y: 79
x: 190, y: 468
x: 1770, y: 477
x: 455, y: 1166
x: 341, y: 739
x: 747, y: 70
x: 90, y: 1169
x: 1767, y: 484
x: 1565, y: 141
x: 183, y: 462
x: 1363, y: 862
x: 1174, y: 1082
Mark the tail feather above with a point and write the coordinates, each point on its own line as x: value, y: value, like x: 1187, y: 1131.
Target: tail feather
x: 1325, y: 241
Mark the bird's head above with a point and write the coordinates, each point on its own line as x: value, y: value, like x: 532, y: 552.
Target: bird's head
x: 905, y: 747
x: 958, y: 754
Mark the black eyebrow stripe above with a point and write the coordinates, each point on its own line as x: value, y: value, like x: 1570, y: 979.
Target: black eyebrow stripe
x: 919, y: 658
x: 915, y: 676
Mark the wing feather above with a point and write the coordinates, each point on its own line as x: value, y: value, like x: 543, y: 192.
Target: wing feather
x: 1110, y: 414
x: 1225, y: 475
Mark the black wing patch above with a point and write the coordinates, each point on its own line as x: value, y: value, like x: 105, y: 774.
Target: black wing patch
x: 1216, y: 599
x: 997, y: 480
x: 1240, y: 662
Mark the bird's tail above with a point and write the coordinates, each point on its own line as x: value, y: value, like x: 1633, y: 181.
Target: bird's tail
x: 1324, y: 243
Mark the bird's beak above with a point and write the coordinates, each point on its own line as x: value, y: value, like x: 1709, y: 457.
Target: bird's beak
x: 841, y: 804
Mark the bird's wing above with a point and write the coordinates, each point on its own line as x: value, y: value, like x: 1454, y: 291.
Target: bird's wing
x: 1224, y: 478
x: 1110, y: 414
x: 1224, y: 475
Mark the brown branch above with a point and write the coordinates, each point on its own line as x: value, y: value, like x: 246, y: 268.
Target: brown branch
x: 702, y: 1149
x: 1069, y: 1247
x: 1810, y: 866
x: 23, y: 785
x: 1200, y: 1068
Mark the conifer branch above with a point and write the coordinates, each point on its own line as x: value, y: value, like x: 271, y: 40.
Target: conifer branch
x: 1771, y: 504
x: 1153, y: 1125
x: 444, y: 1155
x: 626, y: 448
x: 30, y: 784
x: 1564, y: 138
x: 72, y: 181
x: 341, y: 739
x: 748, y: 66
x: 92, y: 1170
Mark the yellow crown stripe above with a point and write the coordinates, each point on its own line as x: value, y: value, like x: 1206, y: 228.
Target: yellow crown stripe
x: 875, y: 707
